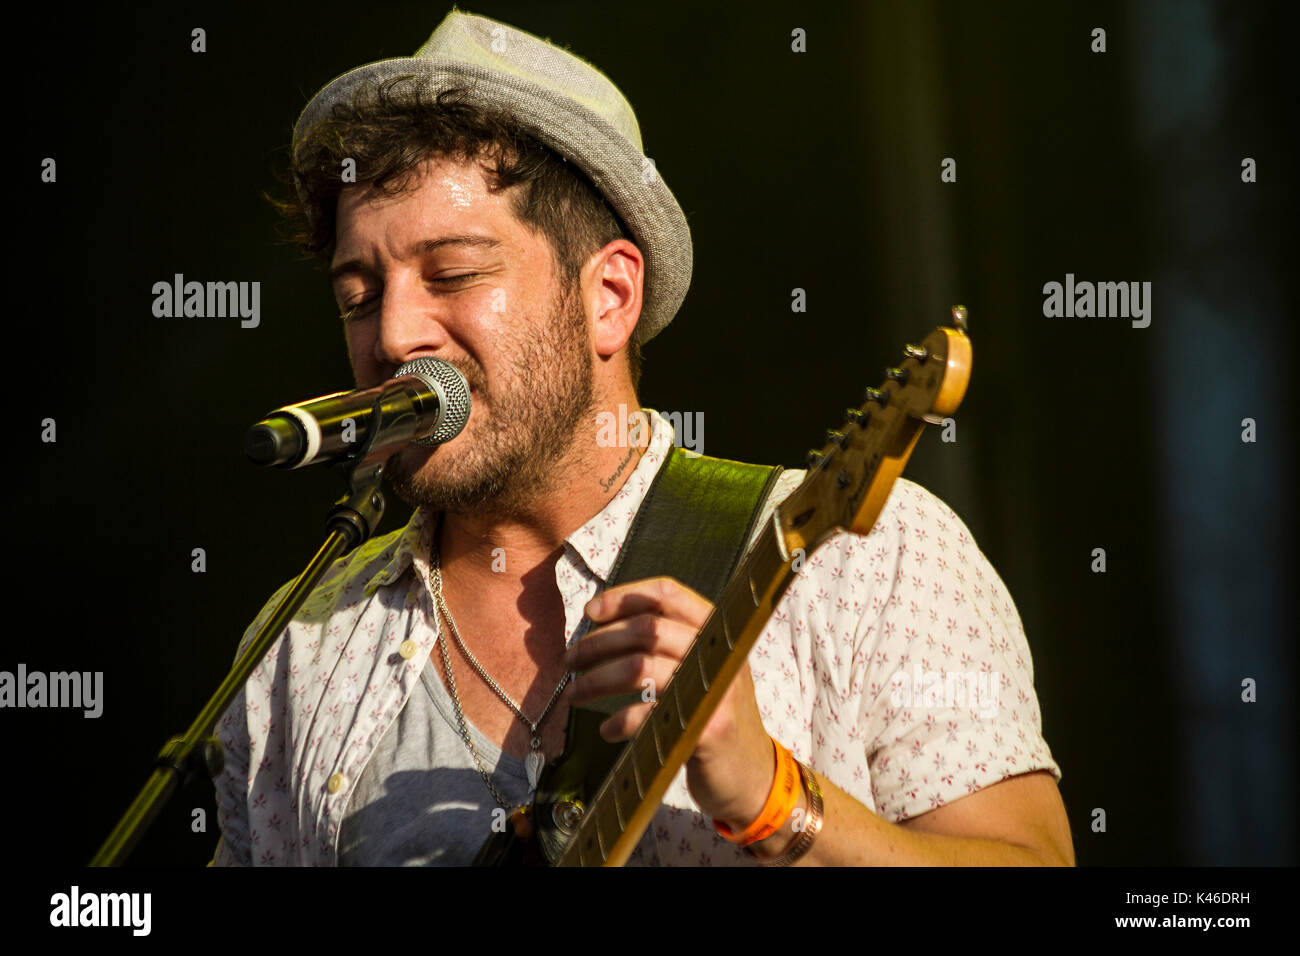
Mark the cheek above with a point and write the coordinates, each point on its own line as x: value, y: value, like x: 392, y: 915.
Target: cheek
x: 360, y: 344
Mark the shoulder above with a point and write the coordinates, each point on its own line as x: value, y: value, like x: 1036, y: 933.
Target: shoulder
x: 347, y: 581
x: 917, y: 573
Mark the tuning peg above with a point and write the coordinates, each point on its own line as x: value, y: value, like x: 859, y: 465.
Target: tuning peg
x: 835, y: 437
x: 918, y: 352
x: 898, y: 375
x: 856, y: 416
x: 871, y: 394
x: 814, y: 457
x: 959, y: 318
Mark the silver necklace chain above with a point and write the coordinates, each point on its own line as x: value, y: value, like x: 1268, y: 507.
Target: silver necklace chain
x: 535, y: 760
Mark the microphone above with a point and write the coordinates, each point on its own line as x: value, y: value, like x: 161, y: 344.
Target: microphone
x: 427, y: 402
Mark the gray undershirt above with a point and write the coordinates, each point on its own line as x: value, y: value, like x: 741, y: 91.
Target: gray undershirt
x: 421, y: 800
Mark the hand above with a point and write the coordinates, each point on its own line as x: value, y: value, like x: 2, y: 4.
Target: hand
x: 640, y: 631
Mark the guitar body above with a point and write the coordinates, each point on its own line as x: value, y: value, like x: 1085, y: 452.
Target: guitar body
x: 565, y: 789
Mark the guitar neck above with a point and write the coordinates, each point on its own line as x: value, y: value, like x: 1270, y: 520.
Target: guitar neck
x: 635, y: 786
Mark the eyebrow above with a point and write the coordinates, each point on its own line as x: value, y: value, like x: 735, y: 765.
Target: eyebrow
x: 423, y: 247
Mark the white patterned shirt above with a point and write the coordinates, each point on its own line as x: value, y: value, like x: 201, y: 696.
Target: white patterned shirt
x: 895, y: 665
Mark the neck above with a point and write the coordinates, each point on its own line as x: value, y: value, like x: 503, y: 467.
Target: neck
x: 488, y: 548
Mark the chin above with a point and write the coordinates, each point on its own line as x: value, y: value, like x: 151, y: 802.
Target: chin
x: 415, y: 460
x: 431, y: 477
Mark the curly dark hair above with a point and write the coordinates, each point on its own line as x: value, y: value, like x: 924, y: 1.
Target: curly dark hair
x: 388, y: 131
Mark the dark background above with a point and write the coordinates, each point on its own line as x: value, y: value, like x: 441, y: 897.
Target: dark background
x: 817, y: 170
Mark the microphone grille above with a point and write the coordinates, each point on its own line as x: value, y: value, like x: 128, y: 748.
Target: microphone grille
x: 453, y: 394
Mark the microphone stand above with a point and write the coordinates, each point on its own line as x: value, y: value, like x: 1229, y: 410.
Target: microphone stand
x: 352, y: 521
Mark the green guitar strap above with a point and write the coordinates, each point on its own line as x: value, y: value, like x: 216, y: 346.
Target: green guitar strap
x: 693, y: 525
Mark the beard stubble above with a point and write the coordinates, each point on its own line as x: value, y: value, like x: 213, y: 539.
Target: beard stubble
x: 531, y: 423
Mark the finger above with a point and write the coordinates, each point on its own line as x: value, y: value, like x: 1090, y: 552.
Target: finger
x: 639, y: 673
x: 661, y: 595
x: 643, y: 633
x: 624, y: 724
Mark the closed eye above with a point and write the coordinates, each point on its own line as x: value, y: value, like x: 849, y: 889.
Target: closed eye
x: 356, y: 311
x: 361, y: 308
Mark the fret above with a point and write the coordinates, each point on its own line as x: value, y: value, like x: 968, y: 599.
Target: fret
x: 647, y: 761
x: 589, y: 850
x: 618, y: 810
x: 630, y: 760
x: 660, y: 749
x: 746, y: 575
x: 698, y: 654
x: 606, y: 825
x: 667, y: 715
x: 737, y: 608
x: 712, y: 651
x: 687, y: 684
x: 627, y: 796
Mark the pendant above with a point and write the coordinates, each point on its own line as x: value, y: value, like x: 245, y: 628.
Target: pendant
x: 533, y: 764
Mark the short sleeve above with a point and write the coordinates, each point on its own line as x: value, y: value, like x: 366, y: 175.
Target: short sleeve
x: 950, y: 705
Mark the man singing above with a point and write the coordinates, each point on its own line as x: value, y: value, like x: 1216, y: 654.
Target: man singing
x: 488, y: 202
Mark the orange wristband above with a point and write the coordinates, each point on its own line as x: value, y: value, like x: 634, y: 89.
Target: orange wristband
x: 781, y: 801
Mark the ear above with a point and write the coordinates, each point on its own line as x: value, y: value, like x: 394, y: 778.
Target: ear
x: 612, y: 285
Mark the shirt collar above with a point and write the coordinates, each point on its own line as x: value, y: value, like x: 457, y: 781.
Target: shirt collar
x: 597, y: 543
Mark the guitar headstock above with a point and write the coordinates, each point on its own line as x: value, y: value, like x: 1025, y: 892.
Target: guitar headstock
x: 850, y: 476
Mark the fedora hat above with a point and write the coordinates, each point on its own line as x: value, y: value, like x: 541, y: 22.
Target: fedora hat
x: 570, y: 107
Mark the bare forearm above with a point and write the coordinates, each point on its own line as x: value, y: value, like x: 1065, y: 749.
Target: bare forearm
x: 852, y: 835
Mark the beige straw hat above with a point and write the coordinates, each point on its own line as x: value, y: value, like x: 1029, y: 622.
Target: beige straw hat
x: 569, y: 106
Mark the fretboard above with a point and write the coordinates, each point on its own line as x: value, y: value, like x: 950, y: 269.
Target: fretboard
x: 632, y: 792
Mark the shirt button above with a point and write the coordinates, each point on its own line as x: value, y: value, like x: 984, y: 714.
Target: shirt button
x: 407, y: 649
x: 336, y: 783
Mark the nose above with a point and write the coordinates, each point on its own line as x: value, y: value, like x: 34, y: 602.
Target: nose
x: 408, y: 323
